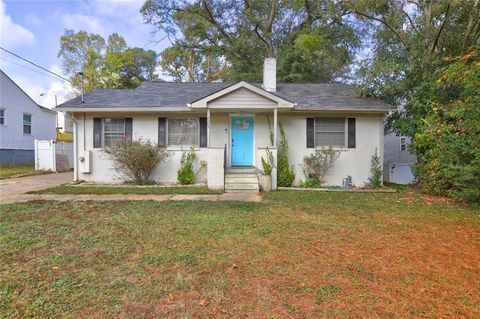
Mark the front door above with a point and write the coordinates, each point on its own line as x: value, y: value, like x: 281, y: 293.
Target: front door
x: 242, y: 141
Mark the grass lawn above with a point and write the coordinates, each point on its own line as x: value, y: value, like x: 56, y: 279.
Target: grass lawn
x: 294, y: 255
x: 107, y: 190
x: 7, y: 171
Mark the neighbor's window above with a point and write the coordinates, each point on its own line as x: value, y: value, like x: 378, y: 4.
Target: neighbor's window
x: 27, y: 124
x: 2, y: 116
x: 330, y: 131
x: 403, y: 143
x: 183, y: 132
x: 114, y: 130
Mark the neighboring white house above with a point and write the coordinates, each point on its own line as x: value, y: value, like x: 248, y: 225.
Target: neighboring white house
x: 22, y: 121
x: 397, y: 160
x: 229, y: 125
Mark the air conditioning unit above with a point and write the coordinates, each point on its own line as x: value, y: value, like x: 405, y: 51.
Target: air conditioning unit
x: 84, y: 160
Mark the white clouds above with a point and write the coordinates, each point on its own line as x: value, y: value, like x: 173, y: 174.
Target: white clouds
x: 11, y: 34
x: 79, y: 22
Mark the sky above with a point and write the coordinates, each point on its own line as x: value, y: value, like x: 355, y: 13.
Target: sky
x: 32, y: 29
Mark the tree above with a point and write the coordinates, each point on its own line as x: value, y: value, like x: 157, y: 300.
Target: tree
x: 105, y: 64
x: 242, y: 33
x: 82, y: 51
x: 447, y: 136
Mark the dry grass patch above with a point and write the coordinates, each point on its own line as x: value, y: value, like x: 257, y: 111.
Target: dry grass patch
x: 295, y: 255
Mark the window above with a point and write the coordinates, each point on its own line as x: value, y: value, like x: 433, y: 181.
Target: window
x: 330, y: 131
x: 183, y: 132
x: 2, y: 116
x: 114, y: 130
x: 403, y: 143
x: 27, y: 124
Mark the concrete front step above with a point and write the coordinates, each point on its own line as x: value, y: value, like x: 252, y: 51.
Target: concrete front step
x: 253, y: 186
x: 241, y: 170
x: 241, y: 180
x: 241, y: 191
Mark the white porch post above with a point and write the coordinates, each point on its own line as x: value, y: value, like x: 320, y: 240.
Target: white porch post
x: 275, y: 127
x: 208, y: 127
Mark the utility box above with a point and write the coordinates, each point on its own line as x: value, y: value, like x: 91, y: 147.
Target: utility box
x: 84, y: 160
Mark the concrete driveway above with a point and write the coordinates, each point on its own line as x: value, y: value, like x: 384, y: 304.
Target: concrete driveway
x: 12, y: 188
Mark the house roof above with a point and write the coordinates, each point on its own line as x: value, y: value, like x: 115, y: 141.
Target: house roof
x: 25, y: 93
x: 172, y: 95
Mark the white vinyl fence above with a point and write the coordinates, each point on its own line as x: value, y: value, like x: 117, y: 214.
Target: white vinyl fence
x: 53, y: 156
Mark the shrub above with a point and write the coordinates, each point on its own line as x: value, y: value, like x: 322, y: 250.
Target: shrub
x: 285, y: 173
x: 317, y: 164
x: 267, y: 164
x: 186, y: 174
x: 310, y: 182
x: 135, y: 159
x: 376, y: 171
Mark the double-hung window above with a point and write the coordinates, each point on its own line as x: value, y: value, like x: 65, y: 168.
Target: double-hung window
x: 27, y: 124
x: 403, y: 143
x: 183, y: 132
x: 330, y: 131
x: 114, y: 130
x: 2, y: 116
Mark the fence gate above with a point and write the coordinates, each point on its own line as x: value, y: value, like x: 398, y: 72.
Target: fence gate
x: 45, y: 155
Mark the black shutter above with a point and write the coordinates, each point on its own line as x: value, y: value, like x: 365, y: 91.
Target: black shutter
x: 97, y: 132
x: 203, y: 132
x: 310, y: 132
x: 128, y: 128
x: 162, y: 132
x: 351, y: 133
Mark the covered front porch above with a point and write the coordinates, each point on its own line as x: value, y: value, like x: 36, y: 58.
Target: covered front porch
x: 242, y: 125
x: 237, y: 141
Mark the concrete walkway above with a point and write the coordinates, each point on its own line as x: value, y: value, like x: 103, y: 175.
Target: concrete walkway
x: 14, y: 189
x: 123, y: 197
x: 11, y: 189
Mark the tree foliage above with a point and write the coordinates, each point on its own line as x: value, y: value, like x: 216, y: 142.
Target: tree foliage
x: 235, y: 36
x: 447, y: 135
x: 423, y: 58
x: 105, y: 64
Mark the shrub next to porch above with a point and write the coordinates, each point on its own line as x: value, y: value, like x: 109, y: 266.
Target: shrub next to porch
x: 137, y: 159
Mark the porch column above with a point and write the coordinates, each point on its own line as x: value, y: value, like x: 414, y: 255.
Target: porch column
x: 208, y: 127
x: 275, y: 127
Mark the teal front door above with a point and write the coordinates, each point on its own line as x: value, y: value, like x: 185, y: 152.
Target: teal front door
x: 242, y: 141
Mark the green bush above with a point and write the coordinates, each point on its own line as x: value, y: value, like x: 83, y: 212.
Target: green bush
x: 376, y: 171
x: 311, y: 182
x: 267, y: 164
x: 285, y: 172
x: 135, y: 159
x: 186, y: 174
x: 317, y: 164
x: 446, y: 139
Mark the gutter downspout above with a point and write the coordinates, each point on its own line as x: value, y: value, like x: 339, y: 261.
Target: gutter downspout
x: 75, y: 148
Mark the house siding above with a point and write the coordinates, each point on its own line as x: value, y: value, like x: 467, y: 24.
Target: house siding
x: 354, y: 161
x: 15, y: 146
x: 242, y: 98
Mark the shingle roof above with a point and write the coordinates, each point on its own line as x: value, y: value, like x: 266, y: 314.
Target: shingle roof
x: 311, y: 96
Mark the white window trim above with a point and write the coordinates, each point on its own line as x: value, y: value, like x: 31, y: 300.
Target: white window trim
x: 103, y: 128
x: 345, y: 134
x: 182, y: 147
x: 23, y: 124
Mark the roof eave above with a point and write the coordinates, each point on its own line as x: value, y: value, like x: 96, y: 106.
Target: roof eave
x: 123, y: 109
